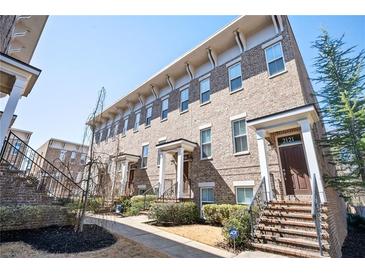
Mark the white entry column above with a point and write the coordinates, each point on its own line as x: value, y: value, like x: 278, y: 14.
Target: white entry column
x: 180, y: 173
x: 14, y: 97
x: 264, y: 167
x: 125, y: 165
x: 311, y: 156
x: 161, y: 177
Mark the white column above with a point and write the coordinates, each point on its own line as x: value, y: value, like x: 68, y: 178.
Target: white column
x: 311, y: 156
x: 162, y: 173
x: 124, y: 180
x: 15, y: 95
x: 264, y: 167
x: 180, y: 173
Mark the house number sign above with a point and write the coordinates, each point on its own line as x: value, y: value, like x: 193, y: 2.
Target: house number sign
x: 286, y: 140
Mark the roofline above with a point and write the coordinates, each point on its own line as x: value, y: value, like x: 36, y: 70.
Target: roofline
x: 39, y: 37
x: 28, y: 67
x: 68, y: 142
x: 176, y: 140
x: 21, y: 130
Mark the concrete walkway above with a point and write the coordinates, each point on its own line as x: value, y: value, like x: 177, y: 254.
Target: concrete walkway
x: 136, y: 229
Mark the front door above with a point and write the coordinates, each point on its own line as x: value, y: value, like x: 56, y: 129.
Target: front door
x: 186, y: 178
x: 294, y: 165
x: 130, y: 181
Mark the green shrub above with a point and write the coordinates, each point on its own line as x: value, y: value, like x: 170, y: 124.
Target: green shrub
x: 95, y: 204
x: 174, y: 213
x: 125, y: 201
x: 141, y: 199
x: 218, y: 214
x: 239, y: 220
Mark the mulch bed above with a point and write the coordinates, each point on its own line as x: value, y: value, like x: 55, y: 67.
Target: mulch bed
x: 354, y: 245
x: 55, y: 239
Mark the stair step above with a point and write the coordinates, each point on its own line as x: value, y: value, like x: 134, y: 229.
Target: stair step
x: 290, y: 202
x: 290, y: 215
x: 292, y: 242
x: 291, y: 223
x: 288, y: 231
x: 286, y: 251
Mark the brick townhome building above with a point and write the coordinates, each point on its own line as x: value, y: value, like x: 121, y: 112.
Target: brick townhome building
x: 235, y: 111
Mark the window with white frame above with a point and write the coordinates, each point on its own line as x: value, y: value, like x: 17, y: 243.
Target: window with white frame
x: 184, y: 100
x: 148, y: 116
x: 62, y: 155
x: 16, y: 148
x: 116, y: 126
x: 275, y: 59
x: 159, y: 152
x: 244, y: 195
x: 239, y: 129
x: 164, y: 109
x: 136, y: 121
x: 83, y: 158
x: 125, y: 126
x: 144, y: 156
x: 235, y: 77
x: 206, y: 143
x: 204, y: 90
x: 73, y: 156
x: 206, y: 196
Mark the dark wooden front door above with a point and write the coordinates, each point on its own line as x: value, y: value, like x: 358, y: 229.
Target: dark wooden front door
x: 186, y: 177
x: 130, y: 181
x: 295, y: 170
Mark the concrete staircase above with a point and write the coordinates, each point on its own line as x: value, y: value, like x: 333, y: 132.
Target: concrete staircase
x: 287, y: 228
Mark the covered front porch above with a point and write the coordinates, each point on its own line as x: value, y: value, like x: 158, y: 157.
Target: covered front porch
x: 124, y: 162
x: 181, y: 150
x: 291, y: 134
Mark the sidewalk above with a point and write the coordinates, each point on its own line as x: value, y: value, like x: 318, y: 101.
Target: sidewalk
x: 135, y: 228
x: 173, y: 245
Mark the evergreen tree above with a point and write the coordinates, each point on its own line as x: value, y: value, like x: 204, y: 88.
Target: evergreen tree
x: 342, y: 101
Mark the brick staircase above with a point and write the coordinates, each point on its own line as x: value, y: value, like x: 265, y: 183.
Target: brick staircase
x: 287, y: 228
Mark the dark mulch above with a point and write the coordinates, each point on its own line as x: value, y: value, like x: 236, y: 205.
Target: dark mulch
x: 55, y: 239
x: 354, y: 245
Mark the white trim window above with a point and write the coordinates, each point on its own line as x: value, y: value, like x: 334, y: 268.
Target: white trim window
x: 275, y: 59
x: 159, y: 153
x: 148, y: 116
x: 235, y: 77
x: 125, y: 126
x: 136, y: 121
x: 239, y: 132
x: 73, y: 156
x: 206, y: 197
x: 144, y: 156
x: 206, y: 143
x: 244, y: 195
x: 83, y: 158
x: 204, y: 91
x: 184, y: 100
x: 62, y: 155
x: 164, y: 109
x: 16, y: 148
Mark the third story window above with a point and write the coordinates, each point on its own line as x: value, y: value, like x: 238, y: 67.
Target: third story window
x: 205, y: 91
x: 184, y: 100
x: 125, y: 126
x: 239, y: 136
x: 235, y: 77
x: 144, y: 156
x: 148, y: 116
x: 206, y: 143
x: 164, y: 109
x: 136, y: 122
x: 275, y: 59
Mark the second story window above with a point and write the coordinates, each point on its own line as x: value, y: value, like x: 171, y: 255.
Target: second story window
x: 235, y: 77
x: 184, y: 100
x: 136, y: 122
x: 125, y: 126
x: 62, y: 155
x: 275, y: 59
x: 240, y: 143
x: 204, y: 91
x: 164, y: 109
x: 144, y: 156
x: 205, y: 144
x: 148, y: 116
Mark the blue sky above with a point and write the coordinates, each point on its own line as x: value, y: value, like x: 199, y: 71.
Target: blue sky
x: 79, y: 55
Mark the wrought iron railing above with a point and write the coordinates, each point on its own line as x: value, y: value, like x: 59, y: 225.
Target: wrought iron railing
x: 169, y: 194
x: 257, y: 206
x: 31, y: 165
x: 316, y: 212
x: 149, y: 191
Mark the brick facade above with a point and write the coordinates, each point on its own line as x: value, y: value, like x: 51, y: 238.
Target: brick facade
x: 7, y: 23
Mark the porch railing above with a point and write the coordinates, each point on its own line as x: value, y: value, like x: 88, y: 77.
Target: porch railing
x: 258, y: 204
x: 316, y: 212
x: 149, y: 191
x: 31, y: 165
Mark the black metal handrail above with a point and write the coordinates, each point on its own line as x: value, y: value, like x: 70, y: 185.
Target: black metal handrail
x: 170, y: 193
x: 20, y: 156
x: 316, y: 212
x: 257, y: 206
x: 148, y: 191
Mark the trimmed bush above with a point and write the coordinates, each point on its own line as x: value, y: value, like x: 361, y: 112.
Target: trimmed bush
x: 137, y: 203
x: 239, y: 220
x: 174, y: 213
x: 218, y: 214
x: 95, y: 204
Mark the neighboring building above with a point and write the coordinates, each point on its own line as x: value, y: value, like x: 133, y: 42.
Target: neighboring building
x: 19, y: 37
x: 68, y: 157
x: 235, y: 111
